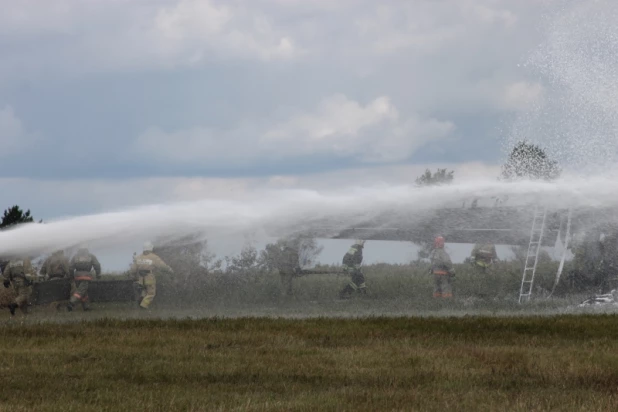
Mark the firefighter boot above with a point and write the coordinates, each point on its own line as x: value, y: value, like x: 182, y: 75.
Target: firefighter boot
x: 24, y: 309
x: 12, y: 308
x: 346, y: 292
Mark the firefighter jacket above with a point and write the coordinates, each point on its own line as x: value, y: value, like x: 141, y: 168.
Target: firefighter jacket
x: 484, y: 254
x: 56, y: 266
x: 82, y: 264
x: 148, y: 263
x: 441, y: 262
x: 353, y: 259
x: 18, y: 268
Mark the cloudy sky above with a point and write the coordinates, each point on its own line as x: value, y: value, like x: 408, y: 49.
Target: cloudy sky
x: 105, y: 103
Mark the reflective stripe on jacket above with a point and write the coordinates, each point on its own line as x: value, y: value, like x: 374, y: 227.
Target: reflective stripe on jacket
x: 440, y: 272
x: 82, y: 276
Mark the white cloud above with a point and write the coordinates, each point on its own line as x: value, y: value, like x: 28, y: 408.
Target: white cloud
x: 32, y: 17
x: 48, y: 198
x: 13, y: 136
x: 193, y: 28
x: 338, y: 127
x: 375, y: 132
x: 118, y: 35
x: 428, y: 26
x: 387, y: 43
x: 335, y: 116
x: 404, y: 68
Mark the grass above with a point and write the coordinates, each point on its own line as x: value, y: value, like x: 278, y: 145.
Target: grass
x: 235, y: 343
x: 385, y: 282
x: 259, y: 364
x: 393, y: 290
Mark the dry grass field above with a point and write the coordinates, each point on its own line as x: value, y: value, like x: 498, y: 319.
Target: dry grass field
x: 259, y: 364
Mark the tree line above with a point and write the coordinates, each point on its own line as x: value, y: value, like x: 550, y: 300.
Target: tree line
x: 526, y: 161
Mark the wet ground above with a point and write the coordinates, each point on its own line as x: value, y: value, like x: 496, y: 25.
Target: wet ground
x: 354, y: 308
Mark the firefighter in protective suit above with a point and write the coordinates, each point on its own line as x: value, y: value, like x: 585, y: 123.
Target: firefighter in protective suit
x: 288, y: 266
x: 80, y: 268
x: 143, y: 269
x: 442, y: 270
x: 352, y: 262
x: 483, y: 256
x: 56, y: 266
x: 18, y: 272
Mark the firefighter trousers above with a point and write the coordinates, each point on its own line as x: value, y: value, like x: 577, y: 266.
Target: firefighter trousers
x: 148, y: 287
x: 442, y: 286
x: 356, y: 284
x: 286, y: 283
x: 23, y: 293
x: 80, y: 294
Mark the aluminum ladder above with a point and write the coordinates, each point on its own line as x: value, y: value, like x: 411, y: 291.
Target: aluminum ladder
x: 532, y: 254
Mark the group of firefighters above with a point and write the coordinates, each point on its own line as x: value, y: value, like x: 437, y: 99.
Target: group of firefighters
x: 19, y: 272
x: 482, y: 257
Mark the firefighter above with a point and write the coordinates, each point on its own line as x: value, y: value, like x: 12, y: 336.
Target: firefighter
x: 56, y: 266
x: 288, y: 266
x: 144, y: 268
x: 18, y: 272
x: 483, y: 256
x: 352, y: 262
x: 442, y: 269
x: 80, y: 268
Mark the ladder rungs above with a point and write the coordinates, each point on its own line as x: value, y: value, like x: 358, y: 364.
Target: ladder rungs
x: 532, y: 255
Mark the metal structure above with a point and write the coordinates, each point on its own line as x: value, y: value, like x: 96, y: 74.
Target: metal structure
x: 532, y: 254
x: 497, y: 225
x: 500, y: 225
x: 547, y: 227
x: 121, y: 290
x: 565, y: 249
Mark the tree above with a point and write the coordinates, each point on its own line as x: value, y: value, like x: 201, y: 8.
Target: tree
x: 424, y: 250
x: 440, y: 177
x: 189, y: 258
x: 244, y: 264
x: 14, y: 215
x: 274, y: 255
x: 529, y: 161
